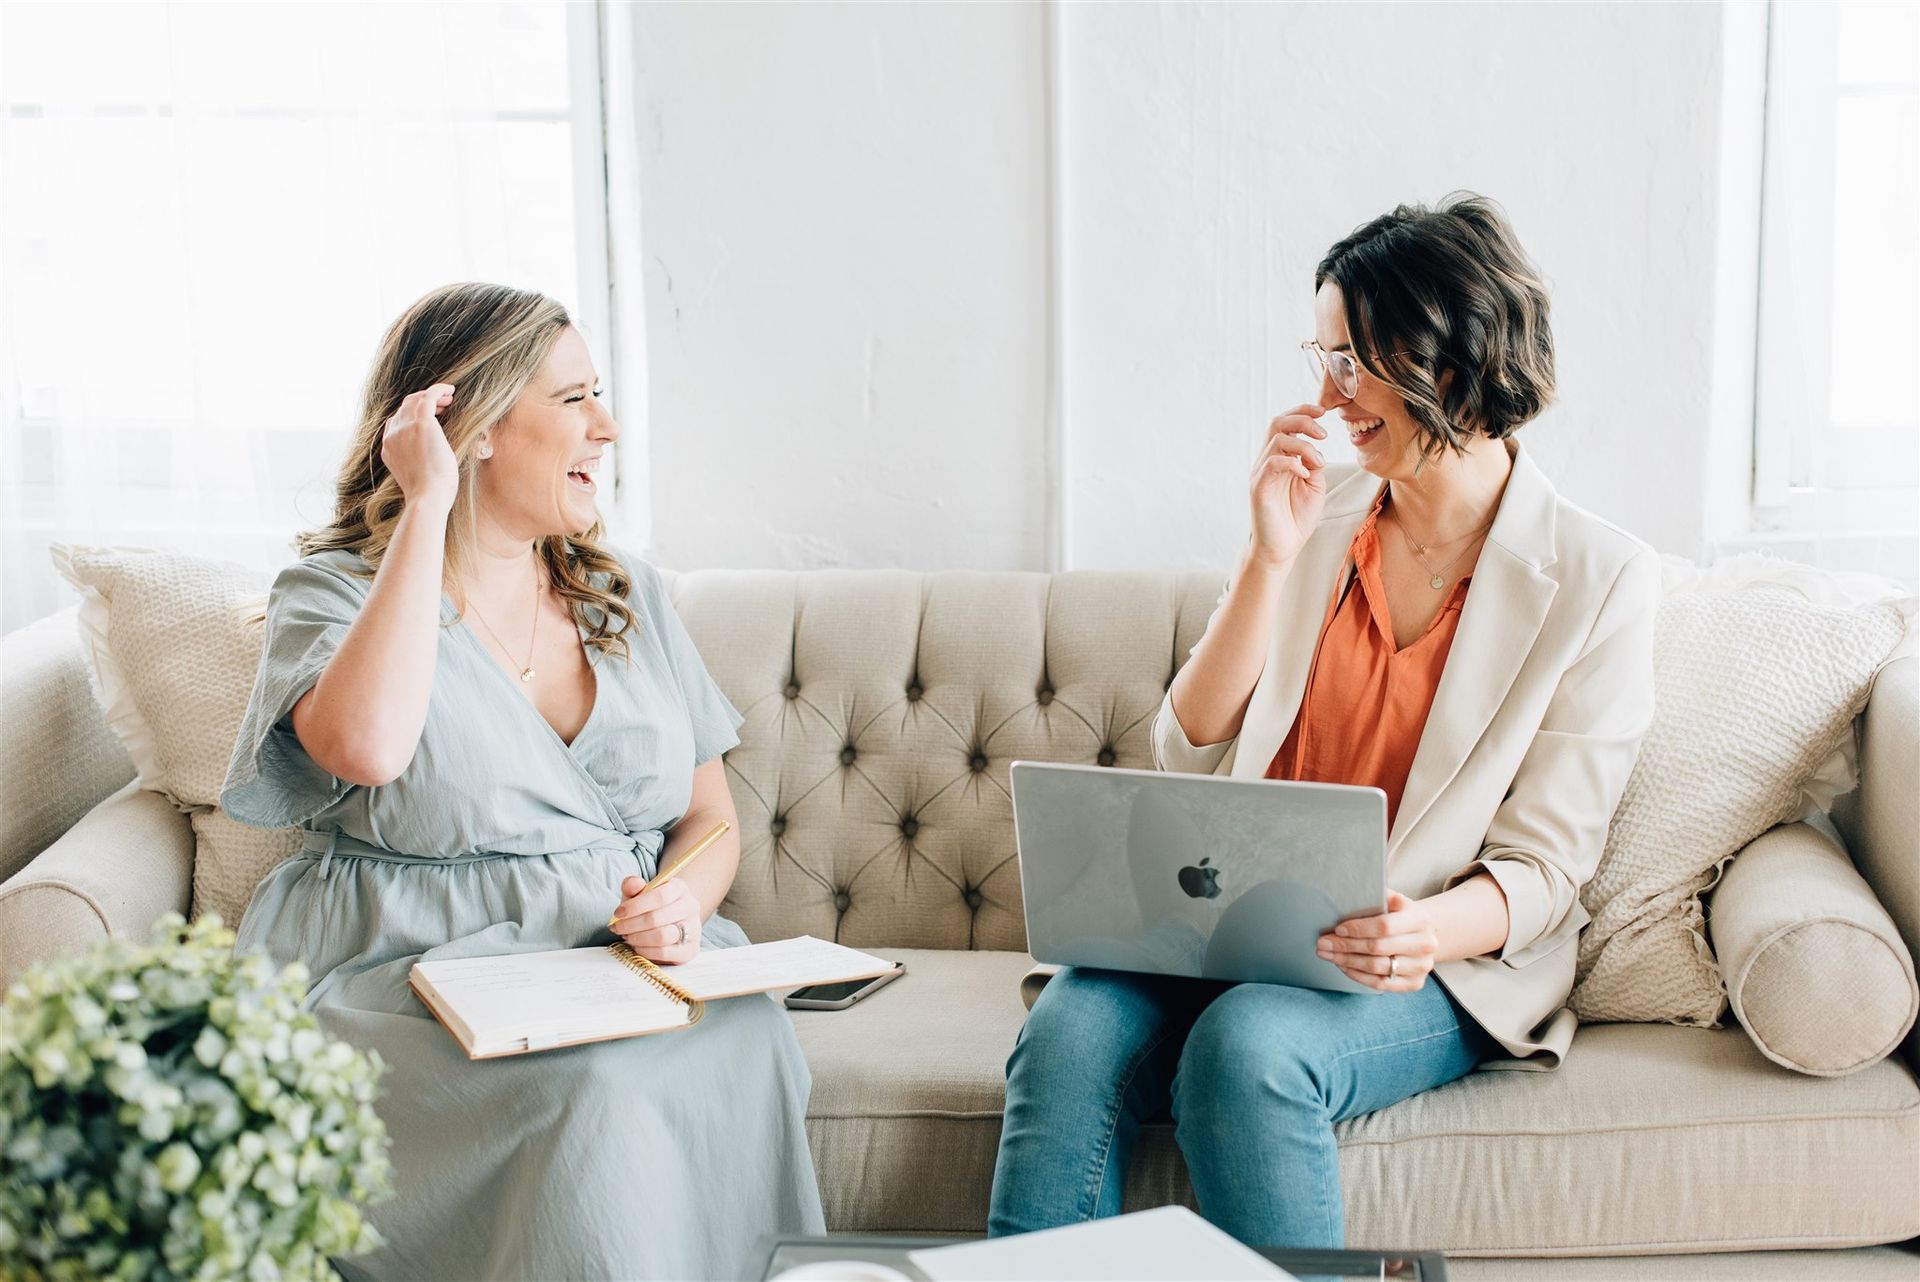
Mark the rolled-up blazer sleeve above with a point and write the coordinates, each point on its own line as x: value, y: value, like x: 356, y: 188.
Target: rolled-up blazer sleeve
x: 1172, y: 750
x: 1547, y: 836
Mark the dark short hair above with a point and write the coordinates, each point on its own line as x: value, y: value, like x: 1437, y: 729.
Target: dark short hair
x: 1433, y: 292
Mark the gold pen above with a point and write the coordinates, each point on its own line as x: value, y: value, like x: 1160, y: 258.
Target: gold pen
x: 719, y: 831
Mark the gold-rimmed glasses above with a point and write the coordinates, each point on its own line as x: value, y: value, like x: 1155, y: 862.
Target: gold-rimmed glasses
x: 1340, y: 366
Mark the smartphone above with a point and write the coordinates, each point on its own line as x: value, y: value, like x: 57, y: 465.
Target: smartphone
x: 842, y: 995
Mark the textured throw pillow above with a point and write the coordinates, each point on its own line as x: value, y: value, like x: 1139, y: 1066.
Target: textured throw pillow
x: 1760, y: 667
x: 173, y: 641
x: 1816, y: 970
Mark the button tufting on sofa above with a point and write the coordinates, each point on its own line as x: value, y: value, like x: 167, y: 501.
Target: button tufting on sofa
x: 1106, y: 757
x: 1506, y: 1163
x: 1045, y: 696
x: 909, y: 827
x: 913, y: 694
x: 847, y: 755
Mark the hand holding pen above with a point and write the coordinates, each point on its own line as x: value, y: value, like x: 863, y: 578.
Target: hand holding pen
x: 660, y: 920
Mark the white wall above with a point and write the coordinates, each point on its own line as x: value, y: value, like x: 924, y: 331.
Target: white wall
x: 847, y: 215
x: 844, y: 233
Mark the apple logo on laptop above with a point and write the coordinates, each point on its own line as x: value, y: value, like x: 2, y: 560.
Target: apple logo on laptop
x: 1200, y: 881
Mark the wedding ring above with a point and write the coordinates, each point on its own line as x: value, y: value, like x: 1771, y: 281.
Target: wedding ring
x: 1393, y: 967
x: 683, y: 934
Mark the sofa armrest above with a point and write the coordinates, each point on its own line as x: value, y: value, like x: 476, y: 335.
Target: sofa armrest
x: 1881, y: 818
x: 128, y: 861
x: 61, y: 760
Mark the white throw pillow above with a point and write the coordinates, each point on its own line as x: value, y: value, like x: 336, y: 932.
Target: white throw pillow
x: 1760, y: 667
x: 173, y: 641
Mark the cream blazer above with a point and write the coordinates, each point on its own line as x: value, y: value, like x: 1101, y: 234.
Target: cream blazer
x: 1535, y: 725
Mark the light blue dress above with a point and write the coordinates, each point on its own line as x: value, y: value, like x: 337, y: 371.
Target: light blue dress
x: 665, y: 1156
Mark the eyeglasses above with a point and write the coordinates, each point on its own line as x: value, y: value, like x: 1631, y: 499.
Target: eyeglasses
x: 1341, y: 367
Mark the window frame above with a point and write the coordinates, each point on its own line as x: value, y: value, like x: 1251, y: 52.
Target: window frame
x: 1830, y: 479
x: 623, y: 507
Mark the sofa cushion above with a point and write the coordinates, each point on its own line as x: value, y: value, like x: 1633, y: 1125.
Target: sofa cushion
x: 908, y: 1087
x: 1816, y: 970
x: 173, y: 640
x: 1649, y: 1138
x: 1760, y: 668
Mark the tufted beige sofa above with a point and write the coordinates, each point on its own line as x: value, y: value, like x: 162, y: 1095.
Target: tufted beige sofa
x: 882, y: 710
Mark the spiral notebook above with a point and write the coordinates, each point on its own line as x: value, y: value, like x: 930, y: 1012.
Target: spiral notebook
x: 522, y: 1002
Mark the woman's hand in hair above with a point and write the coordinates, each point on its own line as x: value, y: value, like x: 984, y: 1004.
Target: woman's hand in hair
x: 1289, y: 487
x: 416, y: 452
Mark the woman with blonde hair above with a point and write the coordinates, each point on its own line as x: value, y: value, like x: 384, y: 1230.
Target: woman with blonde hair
x: 494, y: 729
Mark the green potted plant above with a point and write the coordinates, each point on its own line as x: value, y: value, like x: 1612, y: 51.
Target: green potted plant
x: 168, y: 1111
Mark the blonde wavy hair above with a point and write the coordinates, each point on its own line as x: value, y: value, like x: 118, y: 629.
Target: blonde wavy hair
x: 488, y: 341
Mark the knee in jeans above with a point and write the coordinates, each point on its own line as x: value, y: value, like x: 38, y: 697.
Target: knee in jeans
x: 1081, y: 1018
x: 1244, y: 1051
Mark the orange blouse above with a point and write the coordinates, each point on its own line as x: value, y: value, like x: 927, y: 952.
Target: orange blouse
x: 1366, y: 702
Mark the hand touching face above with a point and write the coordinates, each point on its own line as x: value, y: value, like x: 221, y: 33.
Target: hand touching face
x: 1382, y: 432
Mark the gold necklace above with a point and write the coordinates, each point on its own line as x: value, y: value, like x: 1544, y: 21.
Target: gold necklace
x: 1439, y: 579
x: 526, y: 671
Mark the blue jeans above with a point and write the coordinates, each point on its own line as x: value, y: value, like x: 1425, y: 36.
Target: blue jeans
x: 1255, y: 1074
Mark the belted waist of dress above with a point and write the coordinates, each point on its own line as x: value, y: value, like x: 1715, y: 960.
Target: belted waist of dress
x: 645, y: 846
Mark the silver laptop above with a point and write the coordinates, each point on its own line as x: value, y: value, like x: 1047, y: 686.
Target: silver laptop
x: 1195, y: 875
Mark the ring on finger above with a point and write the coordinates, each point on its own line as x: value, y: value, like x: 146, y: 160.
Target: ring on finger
x: 683, y: 934
x: 1393, y: 967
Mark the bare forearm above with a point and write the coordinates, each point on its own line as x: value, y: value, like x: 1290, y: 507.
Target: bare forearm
x: 362, y: 719
x: 1470, y: 920
x: 1211, y: 692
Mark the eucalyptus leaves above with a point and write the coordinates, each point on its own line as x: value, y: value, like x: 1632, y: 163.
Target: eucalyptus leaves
x: 168, y: 1111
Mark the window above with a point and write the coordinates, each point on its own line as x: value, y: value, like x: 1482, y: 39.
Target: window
x: 1837, y: 425
x: 214, y: 211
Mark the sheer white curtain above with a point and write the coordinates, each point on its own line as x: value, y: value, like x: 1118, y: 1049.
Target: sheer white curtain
x: 213, y: 211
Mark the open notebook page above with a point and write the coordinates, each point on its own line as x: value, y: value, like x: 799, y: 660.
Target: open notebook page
x: 780, y: 963
x: 548, y: 997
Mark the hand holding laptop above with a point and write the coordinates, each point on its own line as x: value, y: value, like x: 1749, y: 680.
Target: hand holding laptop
x: 1393, y: 951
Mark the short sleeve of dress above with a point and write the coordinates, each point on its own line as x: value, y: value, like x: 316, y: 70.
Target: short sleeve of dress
x: 716, y: 723
x: 271, y: 781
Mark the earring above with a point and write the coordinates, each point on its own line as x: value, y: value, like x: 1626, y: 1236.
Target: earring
x: 486, y: 451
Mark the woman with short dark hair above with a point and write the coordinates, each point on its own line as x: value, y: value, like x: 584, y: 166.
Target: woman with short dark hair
x: 1442, y: 626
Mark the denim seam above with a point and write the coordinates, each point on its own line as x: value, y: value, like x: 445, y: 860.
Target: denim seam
x: 1337, y: 1232
x: 1392, y: 1046
x: 1099, y: 1173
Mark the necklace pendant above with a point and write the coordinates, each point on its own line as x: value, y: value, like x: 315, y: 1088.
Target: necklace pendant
x: 1436, y: 582
x: 526, y: 674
